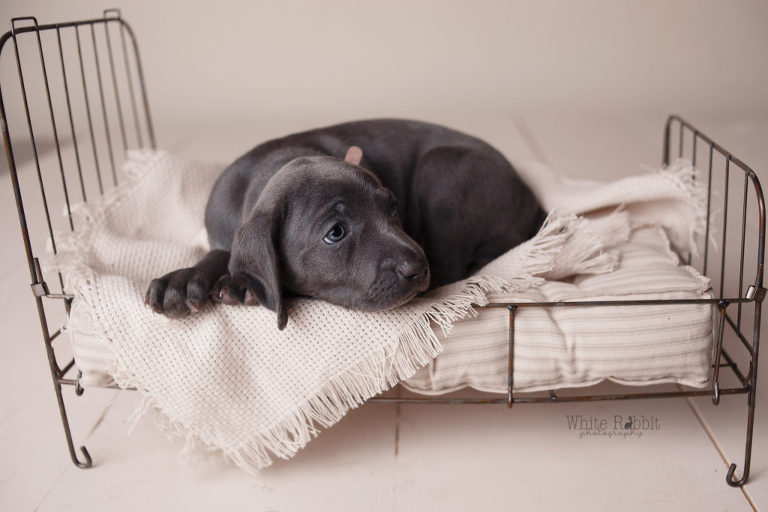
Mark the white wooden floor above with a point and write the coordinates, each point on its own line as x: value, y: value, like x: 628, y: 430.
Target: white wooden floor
x: 382, y: 457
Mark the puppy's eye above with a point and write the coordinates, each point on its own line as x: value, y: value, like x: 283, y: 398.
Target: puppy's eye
x: 393, y: 211
x: 335, y: 234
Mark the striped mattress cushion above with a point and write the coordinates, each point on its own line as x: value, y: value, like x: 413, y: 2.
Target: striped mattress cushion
x: 559, y: 347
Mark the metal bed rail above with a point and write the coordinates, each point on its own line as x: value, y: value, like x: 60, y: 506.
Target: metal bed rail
x: 92, y: 102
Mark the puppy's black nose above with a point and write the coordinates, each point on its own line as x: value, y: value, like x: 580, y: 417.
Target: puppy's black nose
x: 412, y: 269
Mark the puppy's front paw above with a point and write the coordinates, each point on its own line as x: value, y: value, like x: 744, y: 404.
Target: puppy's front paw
x: 179, y: 293
x: 235, y: 289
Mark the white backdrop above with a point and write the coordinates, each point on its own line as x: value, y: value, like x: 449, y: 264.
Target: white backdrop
x: 253, y: 59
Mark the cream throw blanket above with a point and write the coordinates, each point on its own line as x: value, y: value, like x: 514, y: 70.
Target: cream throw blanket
x: 227, y: 380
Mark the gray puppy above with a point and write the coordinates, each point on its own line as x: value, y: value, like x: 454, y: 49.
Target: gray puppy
x: 365, y: 214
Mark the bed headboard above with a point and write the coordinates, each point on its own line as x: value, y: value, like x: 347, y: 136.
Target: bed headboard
x: 78, y: 103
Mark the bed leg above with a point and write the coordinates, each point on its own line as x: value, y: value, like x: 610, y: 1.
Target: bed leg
x: 750, y: 411
x: 748, y: 448
x: 56, y: 374
x: 87, y: 462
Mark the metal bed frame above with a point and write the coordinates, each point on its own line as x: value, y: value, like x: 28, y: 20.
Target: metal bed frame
x: 87, y: 158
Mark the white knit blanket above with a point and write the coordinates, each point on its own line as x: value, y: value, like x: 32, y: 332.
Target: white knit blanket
x: 228, y: 381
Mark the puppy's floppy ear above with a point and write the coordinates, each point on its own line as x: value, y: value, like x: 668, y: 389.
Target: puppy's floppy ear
x: 354, y: 155
x: 254, y: 259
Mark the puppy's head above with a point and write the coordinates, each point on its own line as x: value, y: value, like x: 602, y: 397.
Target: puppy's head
x: 327, y: 228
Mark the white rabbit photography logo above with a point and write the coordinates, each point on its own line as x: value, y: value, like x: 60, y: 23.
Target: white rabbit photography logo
x: 615, y: 426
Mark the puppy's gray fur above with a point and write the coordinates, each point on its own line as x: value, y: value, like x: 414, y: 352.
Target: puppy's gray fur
x: 424, y: 207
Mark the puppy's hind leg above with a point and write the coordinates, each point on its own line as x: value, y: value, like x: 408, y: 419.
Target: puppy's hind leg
x: 187, y: 290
